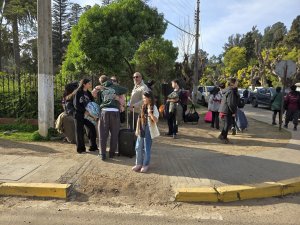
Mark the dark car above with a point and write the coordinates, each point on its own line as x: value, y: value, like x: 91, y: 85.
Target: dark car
x: 262, y: 96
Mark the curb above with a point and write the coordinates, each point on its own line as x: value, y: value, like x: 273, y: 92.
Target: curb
x: 233, y: 193
x: 49, y: 190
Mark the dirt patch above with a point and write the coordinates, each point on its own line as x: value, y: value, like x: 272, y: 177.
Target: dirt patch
x: 114, y: 183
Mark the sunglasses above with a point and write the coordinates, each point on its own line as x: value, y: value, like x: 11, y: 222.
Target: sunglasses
x: 135, y: 77
x: 113, y: 80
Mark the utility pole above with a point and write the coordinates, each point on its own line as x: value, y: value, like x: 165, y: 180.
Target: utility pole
x: 196, y: 63
x: 45, y: 68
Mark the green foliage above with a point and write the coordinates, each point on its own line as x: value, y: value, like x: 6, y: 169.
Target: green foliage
x: 155, y: 58
x: 292, y: 39
x: 105, y: 36
x: 234, y: 60
x: 274, y: 35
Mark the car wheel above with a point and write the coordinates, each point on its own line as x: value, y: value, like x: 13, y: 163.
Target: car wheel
x: 254, y: 103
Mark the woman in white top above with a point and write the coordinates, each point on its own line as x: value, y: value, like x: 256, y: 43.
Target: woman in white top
x: 214, y: 105
x: 146, y: 130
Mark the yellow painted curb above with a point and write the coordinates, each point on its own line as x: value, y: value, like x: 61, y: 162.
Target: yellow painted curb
x: 290, y: 186
x: 203, y: 194
x: 49, y: 190
x: 232, y: 193
x: 243, y: 192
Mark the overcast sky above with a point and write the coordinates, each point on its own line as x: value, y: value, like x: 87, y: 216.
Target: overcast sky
x: 221, y: 18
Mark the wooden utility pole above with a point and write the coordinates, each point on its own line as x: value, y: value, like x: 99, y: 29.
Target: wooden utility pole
x: 196, y: 63
x: 45, y: 68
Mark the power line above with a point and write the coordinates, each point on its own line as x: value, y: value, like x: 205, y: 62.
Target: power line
x: 178, y: 27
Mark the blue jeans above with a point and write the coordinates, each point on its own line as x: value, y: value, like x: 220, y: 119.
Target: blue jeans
x: 143, y: 148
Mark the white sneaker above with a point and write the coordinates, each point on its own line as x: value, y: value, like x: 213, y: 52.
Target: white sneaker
x: 136, y: 168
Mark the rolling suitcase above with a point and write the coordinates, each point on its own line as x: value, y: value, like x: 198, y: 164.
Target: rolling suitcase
x: 127, y: 139
x: 241, y: 120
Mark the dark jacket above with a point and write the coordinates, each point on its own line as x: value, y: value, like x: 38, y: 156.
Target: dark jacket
x: 106, y: 97
x: 292, y: 101
x: 230, y: 100
x: 80, y: 101
x: 276, y: 101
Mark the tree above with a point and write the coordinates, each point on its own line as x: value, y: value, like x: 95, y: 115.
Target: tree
x: 274, y: 35
x: 156, y: 58
x: 19, y: 12
x: 106, y: 38
x: 292, y: 39
x: 233, y: 41
x: 74, y: 14
x: 234, y: 60
x: 59, y: 29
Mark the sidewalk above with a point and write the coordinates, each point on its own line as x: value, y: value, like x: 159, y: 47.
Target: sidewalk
x: 197, y: 159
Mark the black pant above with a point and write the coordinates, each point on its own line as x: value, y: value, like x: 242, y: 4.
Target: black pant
x: 172, y: 124
x: 215, y: 120
x: 292, y: 116
x: 131, y: 124
x: 228, y: 121
x: 91, y: 133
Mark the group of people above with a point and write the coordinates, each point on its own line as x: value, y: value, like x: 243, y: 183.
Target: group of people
x: 291, y: 104
x: 100, y: 111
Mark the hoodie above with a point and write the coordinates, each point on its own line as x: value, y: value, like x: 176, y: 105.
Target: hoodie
x: 107, y: 96
x: 230, y: 100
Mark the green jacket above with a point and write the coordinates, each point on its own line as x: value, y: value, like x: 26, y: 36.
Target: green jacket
x: 107, y: 96
x: 276, y: 101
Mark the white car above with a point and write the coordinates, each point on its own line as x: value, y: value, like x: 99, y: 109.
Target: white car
x: 203, y: 94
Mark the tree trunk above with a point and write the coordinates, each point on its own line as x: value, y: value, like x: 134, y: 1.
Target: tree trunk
x: 1, y: 47
x: 17, y: 52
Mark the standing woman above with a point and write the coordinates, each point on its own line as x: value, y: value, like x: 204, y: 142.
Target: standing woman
x: 214, y: 105
x: 146, y: 130
x: 82, y: 96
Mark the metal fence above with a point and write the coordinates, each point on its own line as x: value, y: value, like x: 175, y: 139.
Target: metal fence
x: 20, y: 99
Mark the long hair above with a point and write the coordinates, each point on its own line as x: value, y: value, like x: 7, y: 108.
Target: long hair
x: 80, y: 88
x: 150, y: 96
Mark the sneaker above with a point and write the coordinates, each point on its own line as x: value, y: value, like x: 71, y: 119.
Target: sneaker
x: 295, y: 128
x: 93, y: 148
x: 174, y: 136
x: 144, y: 169
x: 137, y: 168
x: 233, y: 131
x: 226, y: 141
x: 220, y: 137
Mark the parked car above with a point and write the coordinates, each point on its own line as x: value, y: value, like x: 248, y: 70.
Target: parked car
x: 203, y: 94
x: 262, y: 96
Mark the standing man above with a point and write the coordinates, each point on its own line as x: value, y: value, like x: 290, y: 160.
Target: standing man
x: 228, y: 107
x: 109, y: 121
x: 136, y: 100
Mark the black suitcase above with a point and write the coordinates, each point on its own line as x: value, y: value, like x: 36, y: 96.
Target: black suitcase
x: 126, y: 141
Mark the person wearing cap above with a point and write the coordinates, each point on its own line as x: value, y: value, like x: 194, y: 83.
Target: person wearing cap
x: 136, y: 100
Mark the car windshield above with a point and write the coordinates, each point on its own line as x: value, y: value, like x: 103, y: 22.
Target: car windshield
x: 209, y: 88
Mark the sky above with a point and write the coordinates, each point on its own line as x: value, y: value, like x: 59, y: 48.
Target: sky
x: 220, y: 18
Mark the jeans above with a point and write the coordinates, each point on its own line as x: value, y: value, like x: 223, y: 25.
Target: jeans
x: 215, y: 120
x: 143, y: 148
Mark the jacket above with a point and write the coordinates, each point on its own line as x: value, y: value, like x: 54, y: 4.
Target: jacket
x: 80, y: 101
x: 107, y: 96
x: 292, y: 101
x: 229, y: 102
x: 276, y: 101
x: 214, y: 102
x: 137, y: 96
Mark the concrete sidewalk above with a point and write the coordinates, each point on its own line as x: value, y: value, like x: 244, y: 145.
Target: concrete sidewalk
x: 196, y: 160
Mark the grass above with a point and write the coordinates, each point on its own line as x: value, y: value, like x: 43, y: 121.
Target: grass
x: 23, y: 132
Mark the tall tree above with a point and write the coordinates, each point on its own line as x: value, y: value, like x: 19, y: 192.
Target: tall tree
x: 59, y: 28
x: 274, y: 35
x: 74, y: 14
x: 106, y: 38
x: 233, y: 41
x: 292, y: 39
x: 234, y: 60
x: 19, y: 12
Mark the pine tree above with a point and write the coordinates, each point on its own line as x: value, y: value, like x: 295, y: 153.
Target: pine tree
x: 292, y: 39
x: 59, y: 28
x: 74, y: 15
